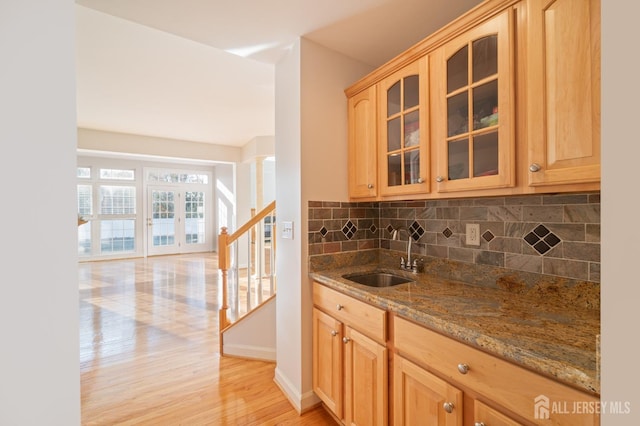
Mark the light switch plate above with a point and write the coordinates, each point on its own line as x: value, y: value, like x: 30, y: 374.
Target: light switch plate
x: 473, y: 234
x: 287, y: 230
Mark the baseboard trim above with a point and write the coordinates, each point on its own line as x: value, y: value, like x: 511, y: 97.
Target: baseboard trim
x: 301, y: 402
x: 249, y: 352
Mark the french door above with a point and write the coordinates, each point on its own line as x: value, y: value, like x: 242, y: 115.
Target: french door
x: 176, y: 220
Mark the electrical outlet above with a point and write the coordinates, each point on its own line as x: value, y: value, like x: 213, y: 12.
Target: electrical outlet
x: 473, y: 234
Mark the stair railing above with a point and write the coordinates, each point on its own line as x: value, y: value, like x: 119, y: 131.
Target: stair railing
x: 243, y: 286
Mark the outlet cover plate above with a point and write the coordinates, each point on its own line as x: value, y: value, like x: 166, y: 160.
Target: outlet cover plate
x: 473, y: 234
x: 287, y: 230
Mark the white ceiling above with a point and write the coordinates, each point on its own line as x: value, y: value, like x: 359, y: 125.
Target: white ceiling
x: 203, y: 70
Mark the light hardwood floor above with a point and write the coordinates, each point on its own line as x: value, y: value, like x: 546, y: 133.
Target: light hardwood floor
x: 149, y: 350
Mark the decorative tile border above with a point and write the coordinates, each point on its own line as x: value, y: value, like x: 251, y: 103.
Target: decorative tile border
x: 555, y: 235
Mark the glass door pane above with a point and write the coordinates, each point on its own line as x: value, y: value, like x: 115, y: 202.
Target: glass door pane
x: 458, y: 159
x: 485, y: 154
x: 162, y: 221
x: 485, y: 57
x: 194, y: 218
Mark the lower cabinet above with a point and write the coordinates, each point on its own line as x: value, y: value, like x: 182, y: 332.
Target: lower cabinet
x: 434, y: 379
x: 444, y: 374
x: 350, y: 358
x: 419, y: 397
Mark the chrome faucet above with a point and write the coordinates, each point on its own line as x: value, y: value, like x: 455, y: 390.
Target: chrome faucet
x: 408, y: 265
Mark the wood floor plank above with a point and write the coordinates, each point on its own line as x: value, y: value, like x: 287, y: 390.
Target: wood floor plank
x: 149, y: 350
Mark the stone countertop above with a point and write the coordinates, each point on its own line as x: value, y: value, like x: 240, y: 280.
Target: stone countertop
x: 546, y: 334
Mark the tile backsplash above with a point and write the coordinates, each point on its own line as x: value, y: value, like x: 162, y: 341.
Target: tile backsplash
x: 555, y: 235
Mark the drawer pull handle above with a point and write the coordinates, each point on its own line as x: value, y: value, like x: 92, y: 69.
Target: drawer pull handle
x: 479, y: 424
x: 535, y: 167
x: 339, y: 307
x: 448, y: 407
x: 334, y: 333
x: 346, y: 340
x: 463, y: 368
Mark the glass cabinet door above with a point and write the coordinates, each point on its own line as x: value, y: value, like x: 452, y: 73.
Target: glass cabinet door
x: 403, y: 122
x: 474, y: 128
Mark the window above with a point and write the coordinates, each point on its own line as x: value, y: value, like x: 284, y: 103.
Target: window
x: 117, y: 200
x: 117, y: 174
x: 84, y: 172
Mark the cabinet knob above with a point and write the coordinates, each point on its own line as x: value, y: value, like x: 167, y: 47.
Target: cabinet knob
x: 420, y: 180
x: 534, y: 167
x: 448, y: 407
x: 334, y: 333
x: 439, y: 179
x: 339, y: 307
x: 370, y: 186
x: 463, y: 368
x: 345, y: 340
x: 479, y: 424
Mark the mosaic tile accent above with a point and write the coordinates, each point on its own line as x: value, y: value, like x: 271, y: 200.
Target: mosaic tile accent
x: 541, y: 239
x: 416, y: 231
x: 323, y: 231
x: 488, y: 236
x: 447, y: 232
x: 373, y: 228
x: 349, y: 229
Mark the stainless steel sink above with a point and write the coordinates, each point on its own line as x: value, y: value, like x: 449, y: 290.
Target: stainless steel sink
x: 377, y: 279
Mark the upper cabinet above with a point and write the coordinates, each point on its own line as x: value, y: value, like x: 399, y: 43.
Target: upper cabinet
x: 363, y: 165
x: 563, y: 91
x: 504, y: 100
x: 472, y: 108
x: 403, y: 130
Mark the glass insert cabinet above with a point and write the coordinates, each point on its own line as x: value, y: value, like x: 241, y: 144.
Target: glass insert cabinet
x: 472, y: 89
x: 403, y: 130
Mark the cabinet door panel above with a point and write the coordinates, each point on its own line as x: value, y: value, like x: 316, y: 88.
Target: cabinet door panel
x: 563, y: 91
x: 327, y: 360
x: 403, y: 131
x: 363, y: 168
x: 472, y: 112
x: 419, y: 397
x: 365, y: 380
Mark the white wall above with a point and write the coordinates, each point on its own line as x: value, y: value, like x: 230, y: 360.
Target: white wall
x: 311, y: 153
x: 288, y: 373
x: 40, y: 371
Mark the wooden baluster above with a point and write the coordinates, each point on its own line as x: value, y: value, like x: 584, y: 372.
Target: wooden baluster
x: 223, y: 264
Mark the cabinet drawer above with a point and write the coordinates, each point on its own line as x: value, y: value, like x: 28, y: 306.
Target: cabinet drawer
x: 361, y: 316
x: 500, y: 381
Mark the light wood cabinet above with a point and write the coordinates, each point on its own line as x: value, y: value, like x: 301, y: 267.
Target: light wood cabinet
x: 487, y: 416
x: 512, y: 391
x: 472, y: 109
x: 363, y: 153
x: 350, y: 360
x: 504, y: 100
x: 420, y: 397
x: 563, y: 91
x: 365, y: 380
x: 327, y: 361
x: 403, y: 130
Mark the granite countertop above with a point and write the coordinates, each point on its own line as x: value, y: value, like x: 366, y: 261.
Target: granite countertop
x: 546, y: 332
